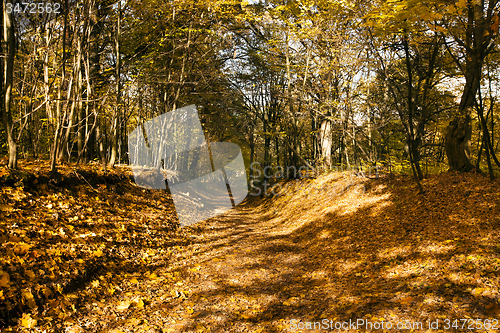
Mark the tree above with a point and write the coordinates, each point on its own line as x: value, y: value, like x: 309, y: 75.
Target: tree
x: 8, y: 50
x: 473, y: 37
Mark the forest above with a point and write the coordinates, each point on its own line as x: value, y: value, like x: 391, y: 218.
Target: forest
x: 407, y: 85
x: 389, y: 107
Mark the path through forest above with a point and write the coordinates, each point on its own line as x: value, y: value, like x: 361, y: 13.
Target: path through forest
x: 344, y: 254
x: 339, y: 248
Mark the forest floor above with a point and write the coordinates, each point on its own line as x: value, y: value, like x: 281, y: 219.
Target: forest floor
x: 92, y: 252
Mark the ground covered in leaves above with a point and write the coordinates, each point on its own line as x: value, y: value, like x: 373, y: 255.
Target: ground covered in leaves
x: 91, y: 252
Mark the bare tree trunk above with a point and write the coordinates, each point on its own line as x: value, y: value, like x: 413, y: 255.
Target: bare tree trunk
x: 78, y: 95
x: 325, y: 138
x: 183, y: 68
x: 486, y: 137
x: 70, y: 119
x: 8, y: 69
x: 267, y: 144
x: 100, y: 142
x: 300, y: 157
x: 413, y: 149
x: 46, y: 83
x: 252, y: 150
x: 95, y: 80
x: 488, y: 161
x: 59, y: 120
x: 314, y: 137
x: 116, y: 116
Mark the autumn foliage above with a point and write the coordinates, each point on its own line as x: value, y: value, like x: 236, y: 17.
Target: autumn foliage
x: 91, y: 252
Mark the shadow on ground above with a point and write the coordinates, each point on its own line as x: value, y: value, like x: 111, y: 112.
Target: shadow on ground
x: 385, y: 254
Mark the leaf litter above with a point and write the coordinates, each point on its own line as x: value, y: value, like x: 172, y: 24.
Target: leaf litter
x: 92, y: 252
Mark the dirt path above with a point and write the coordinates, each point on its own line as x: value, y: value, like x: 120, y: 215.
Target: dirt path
x: 371, y: 253
x: 235, y: 277
x: 374, y: 256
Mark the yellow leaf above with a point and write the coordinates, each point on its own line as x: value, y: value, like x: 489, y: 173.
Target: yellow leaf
x: 15, y: 239
x: 478, y: 291
x: 30, y: 274
x: 139, y: 304
x: 98, y: 253
x: 461, y: 3
x: 5, y: 280
x: 95, y: 283
x: 59, y: 288
x: 27, y: 321
x: 28, y: 296
x: 190, y: 310
x: 195, y: 268
x: 21, y: 248
x: 46, y: 291
x: 124, y: 305
x: 133, y: 280
x: 6, y: 208
x: 200, y: 328
x: 3, y: 172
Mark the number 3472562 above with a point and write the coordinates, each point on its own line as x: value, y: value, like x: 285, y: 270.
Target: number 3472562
x: 33, y: 8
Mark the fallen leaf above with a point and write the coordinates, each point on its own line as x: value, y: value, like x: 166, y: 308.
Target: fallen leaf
x: 5, y: 280
x: 27, y: 321
x: 124, y: 305
x: 21, y: 248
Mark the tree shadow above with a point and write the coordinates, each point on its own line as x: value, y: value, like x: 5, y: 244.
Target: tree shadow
x: 404, y: 258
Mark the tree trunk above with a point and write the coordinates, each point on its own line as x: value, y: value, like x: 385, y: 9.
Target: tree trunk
x: 8, y: 68
x: 80, y: 115
x: 100, y: 142
x: 325, y: 138
x: 252, y: 151
x: 267, y: 145
x: 46, y: 84
x: 116, y: 116
x: 458, y: 132
x: 477, y: 46
x: 60, y: 120
x: 488, y: 142
x: 314, y: 137
x: 64, y: 148
x: 457, y: 143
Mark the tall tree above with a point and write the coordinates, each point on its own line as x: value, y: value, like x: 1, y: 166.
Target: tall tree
x: 474, y: 33
x: 8, y: 48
